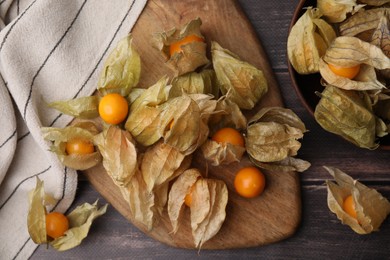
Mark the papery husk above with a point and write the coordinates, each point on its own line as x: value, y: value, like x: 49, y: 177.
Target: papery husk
x: 161, y: 163
x: 208, y: 209
x: 378, y: 96
x: 374, y: 2
x: 144, y: 118
x: 143, y: 124
x: 279, y: 115
x: 273, y: 133
x: 85, y: 130
x: 381, y: 35
x: 203, y: 82
x: 193, y: 54
x: 180, y: 188
x: 153, y: 96
x: 381, y: 129
x: 135, y: 93
x: 227, y: 114
x: 270, y: 141
x: 381, y: 38
x: 241, y: 82
x: 83, y: 107
x: 221, y: 153
x: 362, y: 21
x: 308, y: 40
x: 36, y: 217
x: 119, y: 154
x: 207, y: 106
x: 346, y: 51
x: 345, y: 113
x: 336, y: 10
x: 161, y: 197
x: 122, y: 69
x: 365, y: 80
x: 141, y: 201
x: 184, y: 122
x: 370, y: 206
x: 289, y: 164
x: 80, y: 221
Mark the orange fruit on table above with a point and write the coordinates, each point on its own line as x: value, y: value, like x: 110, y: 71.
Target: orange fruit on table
x: 176, y: 46
x: 349, y: 206
x: 228, y: 135
x: 79, y: 146
x: 113, y: 108
x: 346, y: 72
x: 56, y: 224
x: 249, y: 182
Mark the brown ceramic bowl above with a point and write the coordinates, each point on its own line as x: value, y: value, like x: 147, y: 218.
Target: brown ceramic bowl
x: 306, y: 85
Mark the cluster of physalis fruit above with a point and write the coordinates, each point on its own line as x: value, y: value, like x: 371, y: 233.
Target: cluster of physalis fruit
x: 146, y: 137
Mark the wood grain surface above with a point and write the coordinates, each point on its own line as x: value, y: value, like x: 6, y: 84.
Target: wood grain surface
x: 269, y: 218
x: 320, y: 235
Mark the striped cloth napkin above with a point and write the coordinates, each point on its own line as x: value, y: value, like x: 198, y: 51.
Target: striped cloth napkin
x: 49, y: 50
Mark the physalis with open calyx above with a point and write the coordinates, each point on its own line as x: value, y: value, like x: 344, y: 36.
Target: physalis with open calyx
x: 356, y: 205
x: 60, y: 231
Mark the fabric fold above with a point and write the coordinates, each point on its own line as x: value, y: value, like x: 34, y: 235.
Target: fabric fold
x: 50, y: 50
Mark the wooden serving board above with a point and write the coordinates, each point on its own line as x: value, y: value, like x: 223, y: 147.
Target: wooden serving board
x: 273, y: 216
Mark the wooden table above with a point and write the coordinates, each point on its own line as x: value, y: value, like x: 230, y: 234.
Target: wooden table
x: 320, y: 234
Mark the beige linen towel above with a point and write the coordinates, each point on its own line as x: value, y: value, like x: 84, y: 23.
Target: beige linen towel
x: 49, y: 50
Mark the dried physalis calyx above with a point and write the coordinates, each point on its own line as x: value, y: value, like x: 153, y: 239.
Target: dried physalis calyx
x: 69, y: 230
x: 203, y: 82
x: 272, y: 139
x: 184, y: 121
x: 207, y: 200
x: 336, y: 11
x: 144, y: 119
x: 74, y: 145
x: 140, y: 200
x: 161, y: 163
x: 356, y: 205
x: 185, y: 49
x: 350, y: 63
x: 363, y: 23
x: 226, y: 143
x: 119, y: 154
x: 240, y: 81
x: 225, y: 146
x: 83, y: 107
x: 308, y: 40
x: 348, y: 114
x: 122, y: 69
x: 147, y: 190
